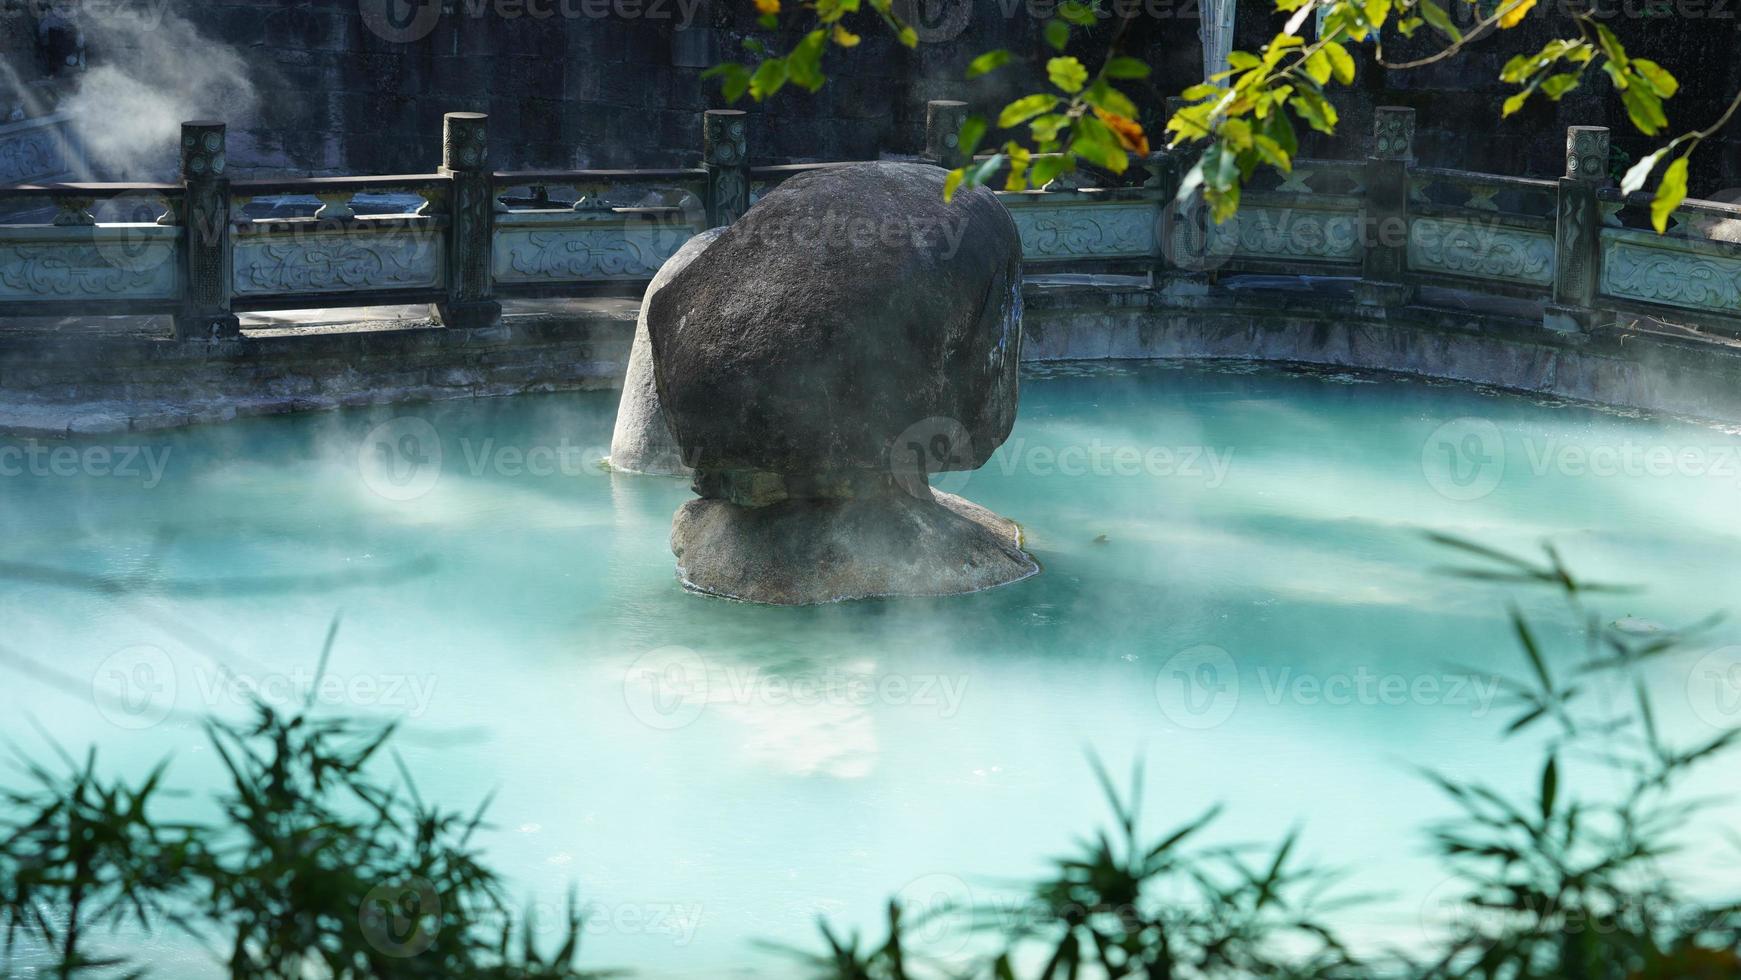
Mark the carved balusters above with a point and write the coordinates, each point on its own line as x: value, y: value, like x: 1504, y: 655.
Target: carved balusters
x: 206, y: 247
x: 71, y: 212
x: 470, y: 207
x: 725, y: 156
x: 335, y: 206
x: 1578, y: 231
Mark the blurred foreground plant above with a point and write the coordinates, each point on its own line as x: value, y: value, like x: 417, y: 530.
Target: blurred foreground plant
x: 316, y: 870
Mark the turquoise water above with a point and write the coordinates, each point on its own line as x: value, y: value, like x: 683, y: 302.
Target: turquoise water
x: 1235, y: 584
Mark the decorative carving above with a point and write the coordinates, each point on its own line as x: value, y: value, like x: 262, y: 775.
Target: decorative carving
x: 580, y: 252
x: 32, y: 150
x: 1393, y: 133
x: 1634, y: 269
x: 1481, y: 251
x: 335, y: 262
x: 1587, y: 153
x: 125, y: 269
x: 465, y: 143
x: 1293, y: 233
x: 1083, y: 231
x: 202, y: 150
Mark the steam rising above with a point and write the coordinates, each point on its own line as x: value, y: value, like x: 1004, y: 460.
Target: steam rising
x: 152, y: 70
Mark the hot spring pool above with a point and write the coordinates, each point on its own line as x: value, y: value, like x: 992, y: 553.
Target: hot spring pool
x: 1235, y: 582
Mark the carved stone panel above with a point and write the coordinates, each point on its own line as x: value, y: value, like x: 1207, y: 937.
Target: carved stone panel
x: 1480, y: 250
x: 106, y: 262
x: 340, y: 260
x: 1639, y: 266
x: 1295, y: 233
x: 1123, y: 229
x: 540, y: 251
x: 34, y: 150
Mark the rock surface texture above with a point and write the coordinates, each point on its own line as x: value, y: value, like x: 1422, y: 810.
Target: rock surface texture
x: 641, y: 441
x: 848, y: 336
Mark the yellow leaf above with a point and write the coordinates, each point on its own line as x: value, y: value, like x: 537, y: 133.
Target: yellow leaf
x: 1515, y: 13
x: 767, y: 6
x: 844, y: 37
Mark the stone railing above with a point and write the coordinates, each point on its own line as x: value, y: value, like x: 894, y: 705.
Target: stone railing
x: 464, y: 238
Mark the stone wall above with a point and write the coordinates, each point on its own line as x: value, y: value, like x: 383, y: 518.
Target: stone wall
x: 343, y: 88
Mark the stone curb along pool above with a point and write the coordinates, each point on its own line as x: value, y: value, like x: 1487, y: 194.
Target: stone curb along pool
x: 815, y: 381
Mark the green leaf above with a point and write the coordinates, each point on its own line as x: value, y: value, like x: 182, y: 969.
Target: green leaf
x: 804, y: 64
x: 1669, y: 194
x: 1067, y: 73
x: 972, y: 131
x: 1441, y: 21
x: 1341, y: 61
x: 1096, y: 143
x: 1104, y: 96
x: 769, y: 78
x: 908, y: 37
x: 1657, y: 77
x: 1514, y: 103
x: 1122, y: 67
x: 1077, y: 13
x: 988, y: 62
x: 1049, y: 166
x: 1057, y: 34
x: 1316, y: 111
x: 1556, y: 86
x: 1045, y: 128
x: 1644, y: 108
x: 1025, y: 108
x: 952, y: 183
x: 734, y: 79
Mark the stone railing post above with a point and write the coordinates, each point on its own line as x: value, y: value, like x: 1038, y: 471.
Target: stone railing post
x: 1384, y: 224
x: 725, y: 157
x: 206, y: 280
x: 1578, y: 231
x: 471, y: 214
x: 943, y: 119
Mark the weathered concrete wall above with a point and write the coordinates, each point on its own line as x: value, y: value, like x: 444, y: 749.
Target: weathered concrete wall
x: 55, y: 382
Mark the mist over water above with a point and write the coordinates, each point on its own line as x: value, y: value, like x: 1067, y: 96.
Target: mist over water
x: 845, y: 752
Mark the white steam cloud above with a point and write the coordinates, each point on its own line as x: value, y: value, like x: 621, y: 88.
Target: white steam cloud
x: 152, y: 70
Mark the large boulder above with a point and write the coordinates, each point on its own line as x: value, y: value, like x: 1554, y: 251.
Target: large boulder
x: 641, y: 441
x: 849, y: 335
x: 848, y: 305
